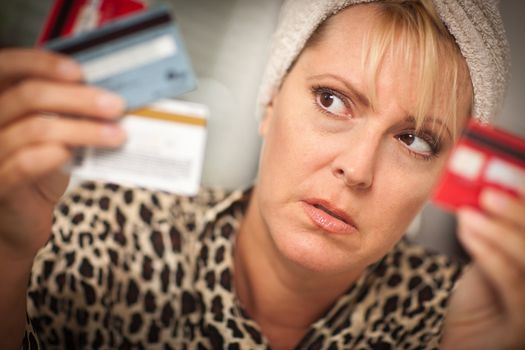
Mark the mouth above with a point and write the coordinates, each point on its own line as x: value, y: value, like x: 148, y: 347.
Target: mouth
x: 328, y: 217
x: 329, y: 212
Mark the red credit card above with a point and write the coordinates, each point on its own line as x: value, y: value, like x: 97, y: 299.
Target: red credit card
x: 485, y: 156
x: 69, y: 17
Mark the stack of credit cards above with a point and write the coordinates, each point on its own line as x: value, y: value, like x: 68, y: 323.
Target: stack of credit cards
x: 140, y: 57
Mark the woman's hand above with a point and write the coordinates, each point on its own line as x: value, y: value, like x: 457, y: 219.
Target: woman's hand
x: 487, y: 310
x: 43, y: 110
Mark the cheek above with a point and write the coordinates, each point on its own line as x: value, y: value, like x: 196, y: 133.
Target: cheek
x: 291, y: 150
x: 400, y: 195
x: 387, y: 216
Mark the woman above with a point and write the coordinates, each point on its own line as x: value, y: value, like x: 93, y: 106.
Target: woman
x: 358, y: 120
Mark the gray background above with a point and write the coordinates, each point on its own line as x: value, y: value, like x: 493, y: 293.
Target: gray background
x: 228, y: 42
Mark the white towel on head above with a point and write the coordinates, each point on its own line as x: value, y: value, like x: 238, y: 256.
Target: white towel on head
x: 475, y: 24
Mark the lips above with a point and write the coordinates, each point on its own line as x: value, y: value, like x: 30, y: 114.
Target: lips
x: 328, y: 217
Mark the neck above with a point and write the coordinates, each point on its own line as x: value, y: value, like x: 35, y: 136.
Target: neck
x: 282, y: 297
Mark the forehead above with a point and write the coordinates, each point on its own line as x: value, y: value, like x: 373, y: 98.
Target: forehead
x: 343, y: 49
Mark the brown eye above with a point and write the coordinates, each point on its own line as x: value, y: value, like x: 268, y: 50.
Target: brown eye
x: 416, y: 144
x: 332, y: 103
x: 326, y: 99
x: 407, y: 139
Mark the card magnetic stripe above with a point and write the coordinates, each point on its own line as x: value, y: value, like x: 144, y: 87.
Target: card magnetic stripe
x: 113, y: 31
x: 495, y: 145
x: 64, y: 10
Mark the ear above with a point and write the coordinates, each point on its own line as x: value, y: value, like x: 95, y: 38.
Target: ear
x: 264, y: 124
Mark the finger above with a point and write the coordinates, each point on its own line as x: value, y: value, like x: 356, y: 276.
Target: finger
x: 67, y: 131
x: 30, y: 164
x: 16, y: 64
x: 507, y: 278
x: 504, y: 206
x: 509, y: 239
x: 38, y: 95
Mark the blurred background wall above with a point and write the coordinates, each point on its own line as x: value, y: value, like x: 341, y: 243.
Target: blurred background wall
x: 228, y: 41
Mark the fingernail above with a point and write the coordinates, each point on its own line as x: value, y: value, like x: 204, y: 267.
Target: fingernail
x: 109, y: 101
x: 493, y: 199
x: 68, y: 68
x: 471, y: 217
x: 113, y: 133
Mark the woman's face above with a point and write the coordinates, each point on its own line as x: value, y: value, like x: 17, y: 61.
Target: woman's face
x: 340, y: 181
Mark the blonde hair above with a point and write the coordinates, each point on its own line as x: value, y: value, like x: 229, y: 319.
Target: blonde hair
x: 411, y: 30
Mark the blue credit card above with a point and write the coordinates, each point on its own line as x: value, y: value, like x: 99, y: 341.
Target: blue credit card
x: 140, y: 57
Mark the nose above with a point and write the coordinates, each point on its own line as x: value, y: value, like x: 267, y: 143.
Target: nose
x: 355, y: 163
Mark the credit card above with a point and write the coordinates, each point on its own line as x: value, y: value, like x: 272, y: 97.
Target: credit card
x: 164, y: 150
x: 140, y: 57
x: 71, y: 17
x: 485, y: 156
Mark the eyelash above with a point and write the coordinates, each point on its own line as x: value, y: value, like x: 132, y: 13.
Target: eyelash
x: 427, y: 136
x: 317, y: 90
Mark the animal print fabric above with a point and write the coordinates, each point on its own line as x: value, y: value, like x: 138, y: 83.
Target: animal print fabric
x: 134, y: 269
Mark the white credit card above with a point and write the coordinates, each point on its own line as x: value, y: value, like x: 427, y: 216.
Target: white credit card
x: 164, y: 149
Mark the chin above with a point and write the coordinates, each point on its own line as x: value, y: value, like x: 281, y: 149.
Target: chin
x: 318, y: 252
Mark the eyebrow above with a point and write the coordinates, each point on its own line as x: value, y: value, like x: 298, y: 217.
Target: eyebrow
x: 362, y: 98
x: 365, y: 101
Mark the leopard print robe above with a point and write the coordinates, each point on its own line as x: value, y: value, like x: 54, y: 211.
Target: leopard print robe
x: 133, y: 269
